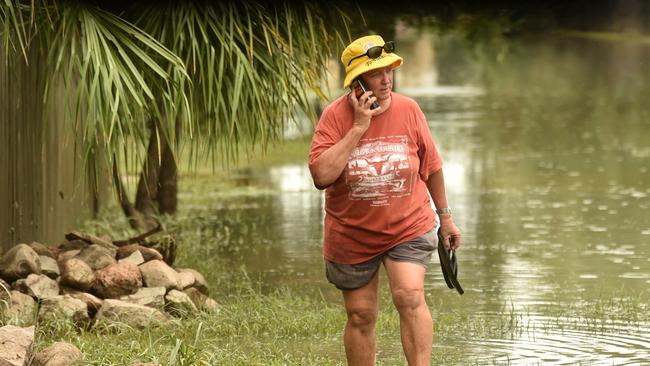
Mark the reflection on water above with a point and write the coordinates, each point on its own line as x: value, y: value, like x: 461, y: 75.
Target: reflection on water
x: 546, y: 161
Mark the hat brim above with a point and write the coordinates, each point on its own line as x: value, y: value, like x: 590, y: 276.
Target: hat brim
x: 365, y: 64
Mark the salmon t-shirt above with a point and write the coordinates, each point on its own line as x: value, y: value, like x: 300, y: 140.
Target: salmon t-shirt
x: 381, y: 199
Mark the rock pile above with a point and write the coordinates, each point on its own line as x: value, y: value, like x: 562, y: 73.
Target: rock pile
x: 91, y: 281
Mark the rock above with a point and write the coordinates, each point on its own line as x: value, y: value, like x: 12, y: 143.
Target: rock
x: 58, y: 354
x: 135, y: 258
x: 64, y: 306
x: 49, y: 267
x: 117, y: 280
x: 97, y: 257
x: 210, y: 305
x: 199, y: 281
x: 19, y: 262
x: 55, y: 251
x: 179, y: 303
x: 137, y: 316
x: 77, y: 274
x: 93, y: 302
x: 64, y: 256
x: 95, y: 240
x: 157, y: 273
x: 41, y: 249
x: 19, y: 307
x: 147, y: 296
x: 185, y: 280
x: 37, y: 286
x: 197, y: 297
x: 72, y: 245
x: 202, y: 301
x: 149, y: 254
x: 15, y: 343
x: 108, y: 244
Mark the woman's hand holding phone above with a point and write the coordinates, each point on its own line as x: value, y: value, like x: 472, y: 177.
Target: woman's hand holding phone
x: 362, y: 101
x: 359, y: 88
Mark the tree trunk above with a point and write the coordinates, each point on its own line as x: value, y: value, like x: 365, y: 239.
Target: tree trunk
x: 157, y: 187
x: 168, y: 184
x: 168, y: 188
x: 136, y: 219
x: 149, y: 180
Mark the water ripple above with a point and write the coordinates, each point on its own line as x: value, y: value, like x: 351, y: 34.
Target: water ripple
x: 551, y: 341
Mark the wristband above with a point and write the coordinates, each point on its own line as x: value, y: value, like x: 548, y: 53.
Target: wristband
x: 443, y: 211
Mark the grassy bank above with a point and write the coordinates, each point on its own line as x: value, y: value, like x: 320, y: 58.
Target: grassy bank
x: 249, y: 329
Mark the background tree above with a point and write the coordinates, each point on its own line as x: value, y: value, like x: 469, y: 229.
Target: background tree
x: 144, y: 82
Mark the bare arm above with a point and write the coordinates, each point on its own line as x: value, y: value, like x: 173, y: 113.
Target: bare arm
x: 449, y: 230
x: 330, y: 164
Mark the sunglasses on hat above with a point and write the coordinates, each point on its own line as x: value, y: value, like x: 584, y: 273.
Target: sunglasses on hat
x: 374, y: 52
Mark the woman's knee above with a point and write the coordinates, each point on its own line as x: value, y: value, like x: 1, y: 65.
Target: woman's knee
x: 408, y: 299
x: 362, y: 317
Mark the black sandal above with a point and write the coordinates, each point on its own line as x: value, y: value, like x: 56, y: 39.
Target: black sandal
x: 449, y: 265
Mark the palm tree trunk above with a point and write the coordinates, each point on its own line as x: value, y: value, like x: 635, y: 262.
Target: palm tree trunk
x: 149, y: 180
x: 157, y: 187
x: 168, y: 188
x: 168, y: 183
x: 136, y: 219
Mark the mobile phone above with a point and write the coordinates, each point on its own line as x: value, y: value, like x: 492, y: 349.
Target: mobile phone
x: 358, y: 87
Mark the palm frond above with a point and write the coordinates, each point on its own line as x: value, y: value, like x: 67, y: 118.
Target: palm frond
x: 253, y: 68
x: 231, y: 73
x: 15, y: 28
x: 115, y: 77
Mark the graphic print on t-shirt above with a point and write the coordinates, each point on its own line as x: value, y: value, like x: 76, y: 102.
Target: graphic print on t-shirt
x: 379, y: 169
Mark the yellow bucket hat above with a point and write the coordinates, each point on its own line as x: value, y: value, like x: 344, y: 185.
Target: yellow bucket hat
x: 359, y: 65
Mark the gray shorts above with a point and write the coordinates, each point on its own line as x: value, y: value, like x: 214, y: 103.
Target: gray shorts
x: 354, y: 276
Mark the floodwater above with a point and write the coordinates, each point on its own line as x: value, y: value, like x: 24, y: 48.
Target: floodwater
x: 547, y: 156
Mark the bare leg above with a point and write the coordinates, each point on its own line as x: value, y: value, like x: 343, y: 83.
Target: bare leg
x: 359, y: 337
x: 416, y: 326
